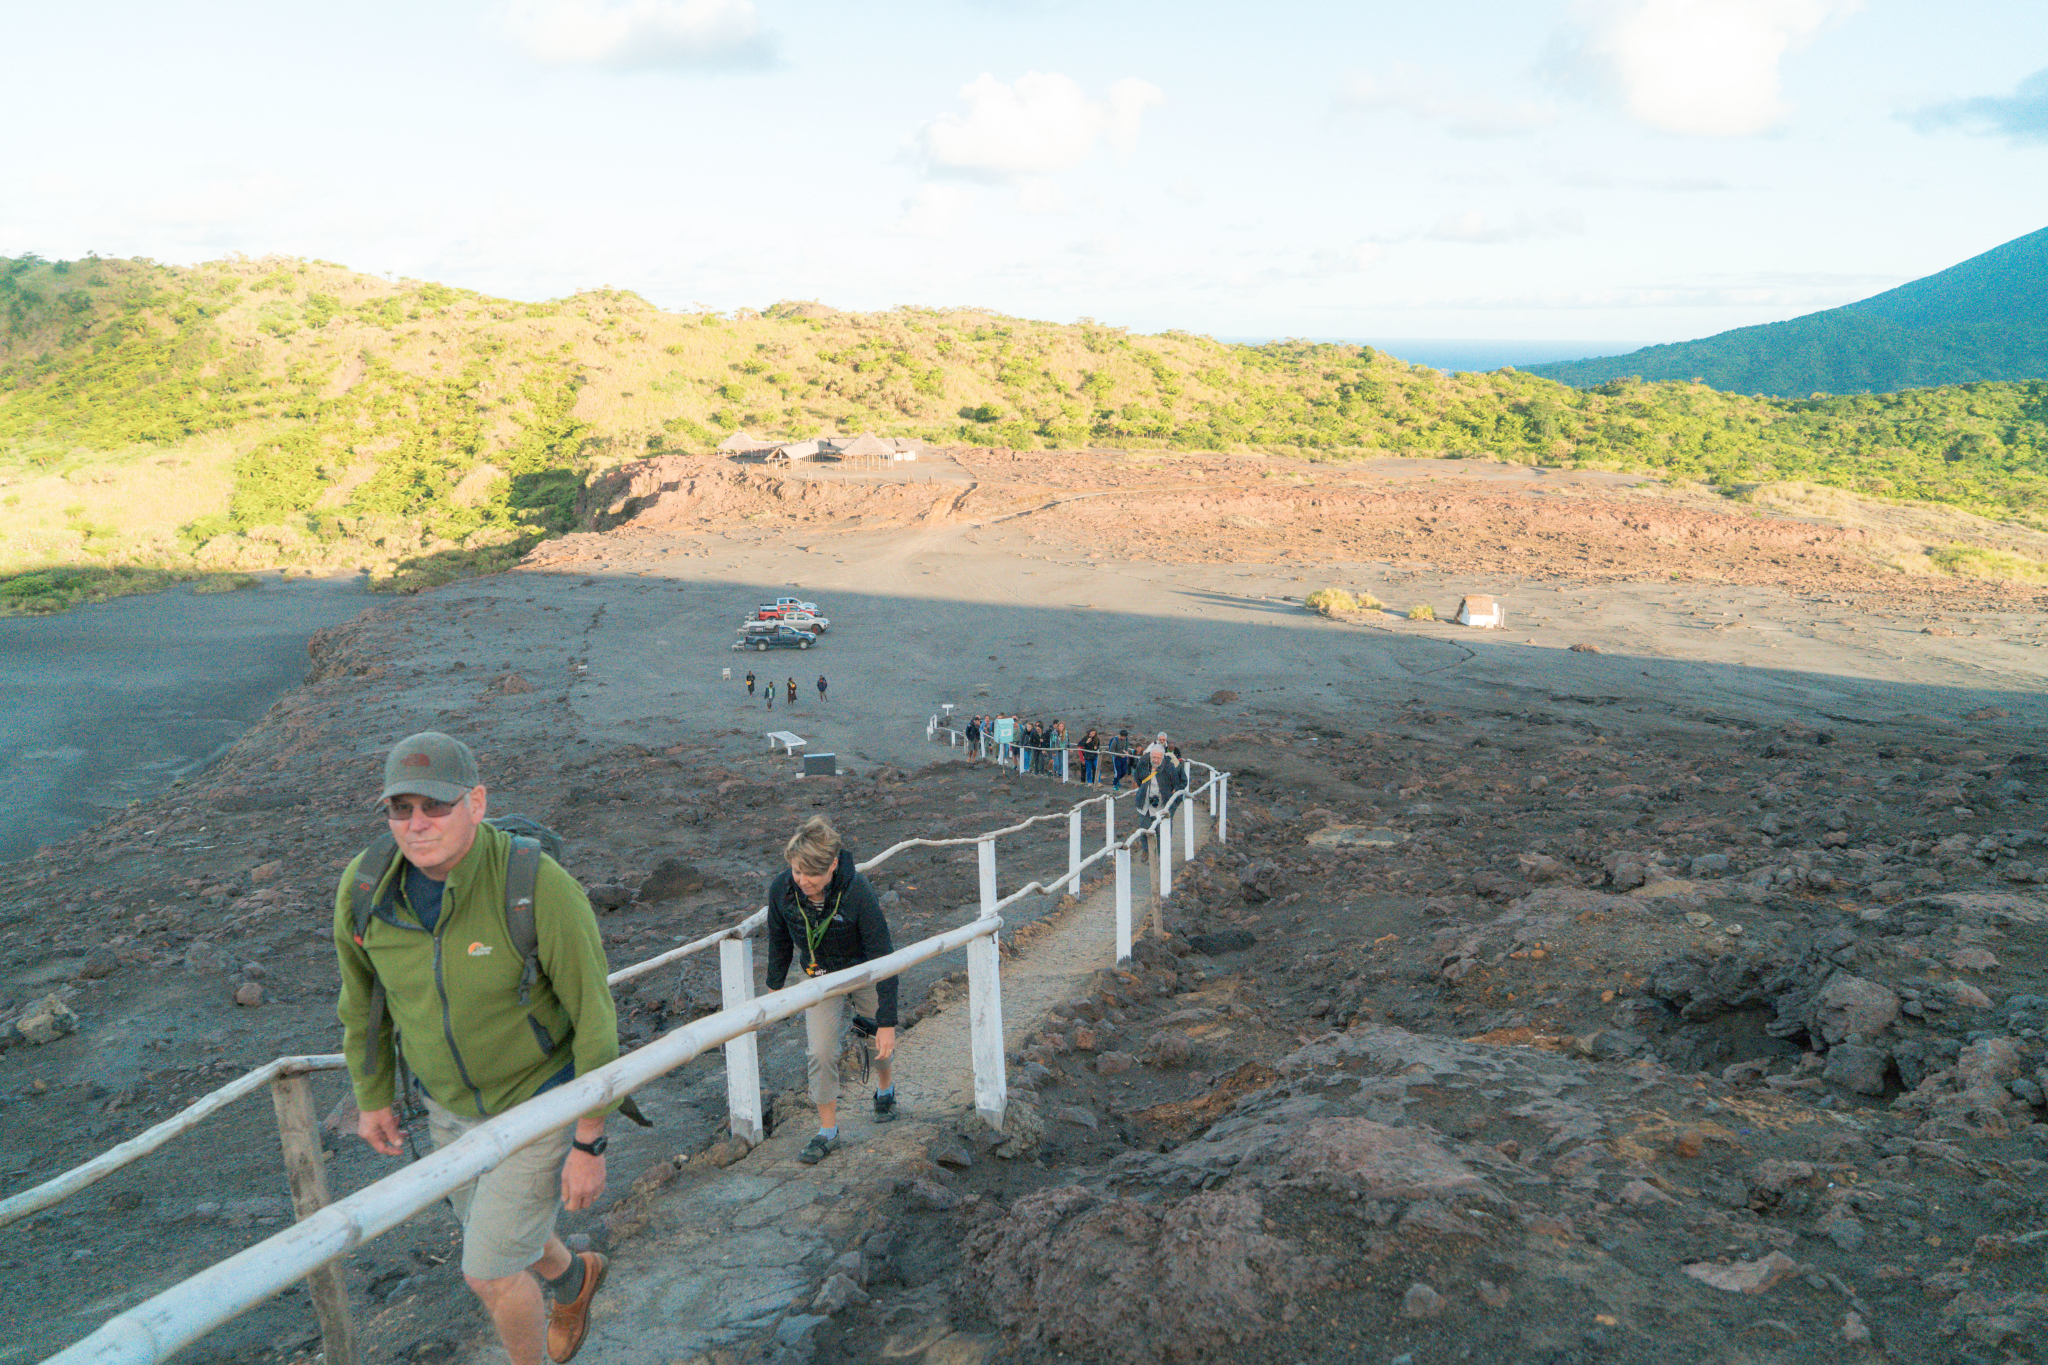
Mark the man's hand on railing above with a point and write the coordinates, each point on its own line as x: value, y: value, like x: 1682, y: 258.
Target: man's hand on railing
x: 582, y: 1172
x: 381, y: 1129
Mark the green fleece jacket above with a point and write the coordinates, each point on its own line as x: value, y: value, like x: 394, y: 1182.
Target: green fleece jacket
x: 452, y: 996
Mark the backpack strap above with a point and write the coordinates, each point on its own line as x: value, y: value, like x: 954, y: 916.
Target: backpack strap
x: 362, y: 904
x: 522, y: 875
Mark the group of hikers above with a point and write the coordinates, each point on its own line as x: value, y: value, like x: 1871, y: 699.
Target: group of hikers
x: 1156, y: 769
x: 526, y: 1007
x: 768, y: 687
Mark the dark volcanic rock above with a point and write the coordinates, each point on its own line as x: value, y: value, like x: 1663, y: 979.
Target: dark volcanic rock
x: 671, y: 879
x: 1228, y: 941
x: 1065, y: 1266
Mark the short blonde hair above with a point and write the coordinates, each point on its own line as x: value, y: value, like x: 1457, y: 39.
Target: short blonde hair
x: 814, y: 848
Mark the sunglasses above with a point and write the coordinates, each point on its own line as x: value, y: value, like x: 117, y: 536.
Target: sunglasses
x: 401, y: 808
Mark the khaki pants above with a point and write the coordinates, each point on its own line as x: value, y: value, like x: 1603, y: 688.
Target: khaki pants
x: 825, y: 1030
x: 508, y: 1212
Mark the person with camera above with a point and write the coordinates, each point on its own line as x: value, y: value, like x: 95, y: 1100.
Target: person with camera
x: 823, y: 915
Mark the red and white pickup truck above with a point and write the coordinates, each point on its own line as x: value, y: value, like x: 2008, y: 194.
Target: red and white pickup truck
x: 787, y: 609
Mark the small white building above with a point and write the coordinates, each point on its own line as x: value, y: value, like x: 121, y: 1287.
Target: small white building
x: 1483, y: 612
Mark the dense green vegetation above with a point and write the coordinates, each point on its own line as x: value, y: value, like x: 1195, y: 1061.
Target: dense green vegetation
x: 425, y: 430
x: 1985, y: 319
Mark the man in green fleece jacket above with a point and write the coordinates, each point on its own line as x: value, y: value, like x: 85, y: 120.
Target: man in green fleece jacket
x: 438, y: 942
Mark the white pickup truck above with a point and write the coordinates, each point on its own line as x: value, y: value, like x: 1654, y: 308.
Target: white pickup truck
x: 801, y: 621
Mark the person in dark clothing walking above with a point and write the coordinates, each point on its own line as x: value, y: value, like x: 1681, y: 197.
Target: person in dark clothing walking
x: 792, y: 691
x: 823, y: 914
x: 973, y: 736
x: 750, y: 683
x: 1120, y: 758
x: 821, y: 689
x: 1091, y: 749
x: 770, y: 690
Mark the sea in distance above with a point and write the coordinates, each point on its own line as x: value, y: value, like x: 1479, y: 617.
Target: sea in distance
x: 1472, y: 353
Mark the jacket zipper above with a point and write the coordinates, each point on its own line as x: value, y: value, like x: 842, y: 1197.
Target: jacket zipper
x: 448, y: 1023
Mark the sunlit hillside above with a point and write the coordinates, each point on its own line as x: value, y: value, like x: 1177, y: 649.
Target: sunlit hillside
x: 249, y: 413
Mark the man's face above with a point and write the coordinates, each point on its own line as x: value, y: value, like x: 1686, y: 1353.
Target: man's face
x: 812, y: 884
x: 436, y: 843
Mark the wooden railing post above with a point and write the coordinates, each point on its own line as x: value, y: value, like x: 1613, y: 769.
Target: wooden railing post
x: 742, y: 1054
x: 1109, y: 821
x: 1187, y: 830
x: 1123, y: 904
x: 985, y: 1029
x: 985, y: 1002
x: 1074, y: 852
x: 1163, y: 831
x: 298, y: 1133
x: 1223, y: 808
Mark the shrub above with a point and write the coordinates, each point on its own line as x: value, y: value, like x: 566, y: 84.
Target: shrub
x: 227, y: 582
x: 1330, y: 601
x: 1997, y: 565
x: 1424, y: 612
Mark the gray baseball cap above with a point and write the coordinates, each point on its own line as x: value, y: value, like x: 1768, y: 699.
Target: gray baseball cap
x: 430, y: 764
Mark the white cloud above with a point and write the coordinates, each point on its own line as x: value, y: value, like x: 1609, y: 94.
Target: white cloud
x: 222, y: 202
x: 1479, y: 228
x: 1347, y: 260
x: 1042, y: 124
x: 1674, y: 184
x: 1430, y: 100
x: 1043, y: 197
x: 935, y: 210
x: 642, y: 34
x: 1703, y: 67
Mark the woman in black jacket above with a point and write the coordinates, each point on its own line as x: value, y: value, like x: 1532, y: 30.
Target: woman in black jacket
x: 824, y: 915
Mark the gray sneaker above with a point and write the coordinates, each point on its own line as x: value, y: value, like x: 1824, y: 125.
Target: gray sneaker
x: 817, y: 1149
x: 885, y: 1108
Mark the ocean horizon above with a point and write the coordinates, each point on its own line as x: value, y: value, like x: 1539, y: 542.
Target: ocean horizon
x: 1472, y: 353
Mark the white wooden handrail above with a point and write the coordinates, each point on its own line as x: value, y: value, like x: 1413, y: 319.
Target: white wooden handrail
x: 143, y: 1334
x: 153, y: 1330
x: 16, y: 1207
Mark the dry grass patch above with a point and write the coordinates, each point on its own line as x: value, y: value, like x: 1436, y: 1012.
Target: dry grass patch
x: 1341, y: 602
x: 1998, y: 566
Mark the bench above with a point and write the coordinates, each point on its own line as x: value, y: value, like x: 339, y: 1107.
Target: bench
x: 785, y: 741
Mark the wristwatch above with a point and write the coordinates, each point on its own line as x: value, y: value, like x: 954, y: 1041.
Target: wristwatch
x: 596, y: 1148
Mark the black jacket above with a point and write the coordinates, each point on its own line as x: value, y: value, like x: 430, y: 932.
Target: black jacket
x: 855, y: 933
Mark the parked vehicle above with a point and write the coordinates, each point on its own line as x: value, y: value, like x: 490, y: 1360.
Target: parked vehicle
x: 787, y: 612
x: 814, y: 624
x: 798, y: 603
x: 781, y: 637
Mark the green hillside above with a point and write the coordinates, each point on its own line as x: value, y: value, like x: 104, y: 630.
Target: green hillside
x: 246, y: 413
x: 1986, y: 319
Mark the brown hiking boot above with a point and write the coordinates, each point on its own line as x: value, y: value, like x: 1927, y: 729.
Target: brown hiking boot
x: 569, y: 1321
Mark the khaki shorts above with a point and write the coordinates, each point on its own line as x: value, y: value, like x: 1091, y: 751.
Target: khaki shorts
x: 508, y: 1212
x: 825, y: 1029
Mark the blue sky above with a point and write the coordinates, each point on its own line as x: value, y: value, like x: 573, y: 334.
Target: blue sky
x: 1641, y: 169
